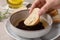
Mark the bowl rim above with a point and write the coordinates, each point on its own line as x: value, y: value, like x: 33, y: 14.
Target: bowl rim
x: 22, y: 29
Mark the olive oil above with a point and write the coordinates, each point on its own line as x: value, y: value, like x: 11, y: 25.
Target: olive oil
x: 15, y: 3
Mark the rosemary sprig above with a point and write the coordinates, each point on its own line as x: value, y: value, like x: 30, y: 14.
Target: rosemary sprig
x: 6, y: 12
x: 3, y: 15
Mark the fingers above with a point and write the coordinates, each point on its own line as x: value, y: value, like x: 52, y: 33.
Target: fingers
x: 56, y: 7
x: 44, y: 8
x: 41, y: 4
x: 33, y: 6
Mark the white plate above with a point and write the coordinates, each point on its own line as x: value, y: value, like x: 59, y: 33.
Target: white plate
x: 54, y: 32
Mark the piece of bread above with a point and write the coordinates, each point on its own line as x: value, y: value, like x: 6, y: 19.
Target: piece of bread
x: 44, y: 22
x: 53, y: 13
x: 33, y: 18
x: 56, y: 19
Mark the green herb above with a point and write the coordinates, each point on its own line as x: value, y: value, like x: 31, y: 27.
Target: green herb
x: 3, y: 15
x: 6, y: 12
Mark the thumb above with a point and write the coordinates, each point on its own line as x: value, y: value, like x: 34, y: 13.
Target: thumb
x: 44, y: 8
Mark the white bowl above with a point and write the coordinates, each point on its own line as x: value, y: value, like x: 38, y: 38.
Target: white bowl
x: 23, y: 14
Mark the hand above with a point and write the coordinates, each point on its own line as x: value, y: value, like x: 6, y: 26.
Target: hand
x: 44, y: 5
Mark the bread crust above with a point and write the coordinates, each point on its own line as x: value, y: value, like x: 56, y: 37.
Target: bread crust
x: 33, y: 18
x: 56, y: 19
